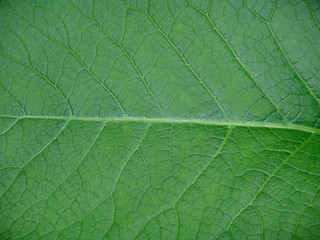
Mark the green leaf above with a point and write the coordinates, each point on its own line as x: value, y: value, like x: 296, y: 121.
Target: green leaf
x: 154, y: 119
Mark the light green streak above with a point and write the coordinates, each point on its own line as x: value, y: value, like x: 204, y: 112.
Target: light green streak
x: 199, y: 121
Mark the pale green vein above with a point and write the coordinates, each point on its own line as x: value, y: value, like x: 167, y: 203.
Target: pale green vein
x: 82, y: 158
x: 254, y: 81
x: 209, y: 163
x: 194, y: 73
x: 14, y: 99
x: 285, y: 55
x: 10, y: 127
x: 260, y: 220
x: 184, y: 60
x: 137, y: 70
x: 120, y: 173
x: 75, y: 169
x: 178, y: 222
x: 223, y: 142
x: 201, y: 220
x: 83, y: 65
x: 272, y: 11
x: 199, y: 121
x: 61, y: 182
x: 291, y: 66
x: 42, y: 76
x: 303, y: 211
x: 267, y: 180
x: 149, y: 220
x: 312, y: 14
x: 41, y: 150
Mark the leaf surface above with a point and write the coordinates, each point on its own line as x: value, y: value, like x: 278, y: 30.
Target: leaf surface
x: 180, y: 119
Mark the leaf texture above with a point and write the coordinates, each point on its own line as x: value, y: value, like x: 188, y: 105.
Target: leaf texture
x: 156, y: 119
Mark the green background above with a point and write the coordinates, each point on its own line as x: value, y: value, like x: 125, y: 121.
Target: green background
x: 160, y: 119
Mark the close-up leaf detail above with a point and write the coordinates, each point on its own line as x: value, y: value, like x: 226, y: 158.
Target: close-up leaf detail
x: 159, y: 119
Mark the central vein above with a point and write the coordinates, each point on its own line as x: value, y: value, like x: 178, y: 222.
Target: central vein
x: 199, y: 121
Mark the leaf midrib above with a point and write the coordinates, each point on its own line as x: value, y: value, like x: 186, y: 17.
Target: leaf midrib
x: 198, y: 121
